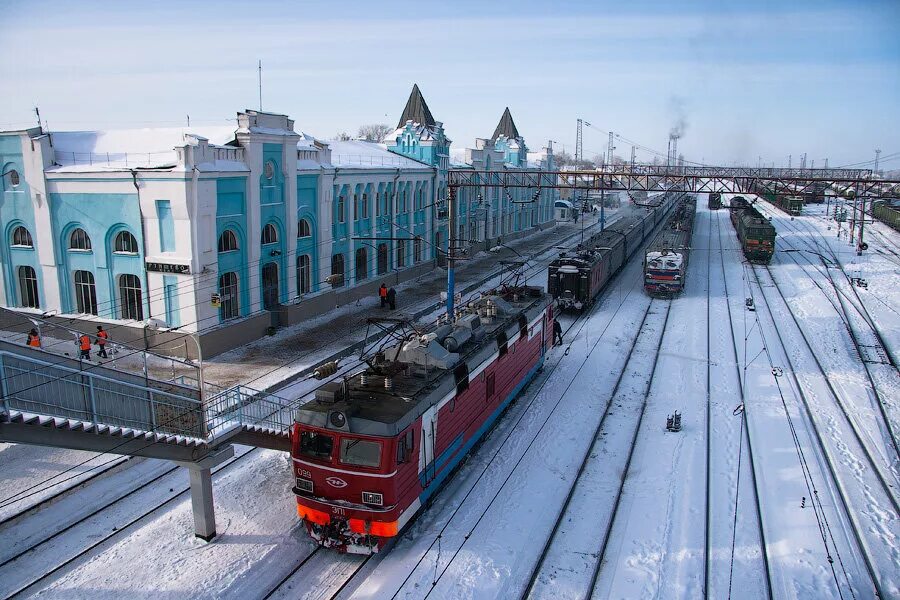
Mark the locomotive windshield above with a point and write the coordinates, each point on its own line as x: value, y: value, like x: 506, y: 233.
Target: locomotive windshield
x: 316, y: 445
x: 362, y: 453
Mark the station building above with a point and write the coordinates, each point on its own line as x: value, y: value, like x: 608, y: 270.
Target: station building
x: 225, y: 232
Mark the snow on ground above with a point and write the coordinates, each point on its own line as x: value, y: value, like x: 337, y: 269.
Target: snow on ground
x: 797, y: 556
x: 56, y: 469
x: 733, y: 520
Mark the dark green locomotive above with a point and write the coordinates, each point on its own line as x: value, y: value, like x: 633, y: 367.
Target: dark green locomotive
x: 755, y: 232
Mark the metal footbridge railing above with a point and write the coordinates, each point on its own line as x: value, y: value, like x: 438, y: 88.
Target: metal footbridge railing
x: 55, y: 400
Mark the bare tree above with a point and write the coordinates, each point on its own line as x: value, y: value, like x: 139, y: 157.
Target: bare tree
x: 374, y: 132
x: 342, y: 136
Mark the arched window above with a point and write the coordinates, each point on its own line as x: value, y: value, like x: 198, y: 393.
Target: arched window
x: 355, y: 208
x: 14, y: 178
x: 342, y: 215
x: 304, y: 274
x: 303, y: 229
x: 85, y: 292
x: 362, y: 264
x: 125, y: 243
x: 228, y: 295
x: 364, y: 209
x: 417, y: 250
x: 269, y: 234
x: 337, y: 270
x: 21, y: 237
x: 28, y: 288
x: 228, y: 241
x: 382, y: 259
x: 79, y: 240
x: 401, y: 254
x: 130, y: 297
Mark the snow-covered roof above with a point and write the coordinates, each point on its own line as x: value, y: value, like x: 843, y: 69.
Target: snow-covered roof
x: 664, y: 260
x: 116, y: 149
x: 359, y: 154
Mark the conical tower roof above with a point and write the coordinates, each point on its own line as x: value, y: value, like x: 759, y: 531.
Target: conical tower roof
x: 506, y: 126
x: 416, y: 110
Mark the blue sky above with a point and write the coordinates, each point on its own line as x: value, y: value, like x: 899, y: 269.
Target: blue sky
x: 750, y: 79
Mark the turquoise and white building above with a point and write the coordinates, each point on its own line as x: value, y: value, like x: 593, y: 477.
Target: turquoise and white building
x: 225, y: 231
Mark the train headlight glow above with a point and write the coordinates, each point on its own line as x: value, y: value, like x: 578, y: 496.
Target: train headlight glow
x: 373, y: 498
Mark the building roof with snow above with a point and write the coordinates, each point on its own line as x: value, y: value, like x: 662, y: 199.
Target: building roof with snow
x: 360, y: 154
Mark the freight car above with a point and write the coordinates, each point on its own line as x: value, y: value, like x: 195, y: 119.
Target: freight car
x: 666, y: 259
x: 576, y: 278
x: 715, y: 201
x: 888, y: 212
x: 755, y: 232
x: 373, y: 448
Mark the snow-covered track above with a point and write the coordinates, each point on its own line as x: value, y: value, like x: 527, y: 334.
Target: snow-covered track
x: 867, y: 498
x: 558, y: 542
x: 741, y: 570
x: 793, y: 466
x: 851, y: 319
x: 23, y: 574
x: 68, y: 486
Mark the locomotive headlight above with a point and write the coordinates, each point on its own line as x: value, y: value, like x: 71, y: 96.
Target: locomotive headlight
x: 373, y: 498
x: 337, y: 419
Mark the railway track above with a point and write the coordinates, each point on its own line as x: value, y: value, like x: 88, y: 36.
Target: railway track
x: 873, y: 494
x: 781, y: 418
x: 743, y: 436
x: 854, y: 333
x: 558, y: 544
x: 15, y: 583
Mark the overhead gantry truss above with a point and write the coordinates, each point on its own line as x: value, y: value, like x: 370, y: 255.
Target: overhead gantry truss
x: 654, y: 178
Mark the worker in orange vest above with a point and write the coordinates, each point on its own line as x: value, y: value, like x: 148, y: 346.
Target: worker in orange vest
x: 102, y: 337
x: 382, y: 293
x: 84, y: 343
x: 34, y: 340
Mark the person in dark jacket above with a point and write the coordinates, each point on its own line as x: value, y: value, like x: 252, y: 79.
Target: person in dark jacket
x: 34, y: 339
x: 392, y: 298
x: 557, y: 333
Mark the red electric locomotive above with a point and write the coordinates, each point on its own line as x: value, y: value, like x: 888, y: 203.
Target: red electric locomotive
x: 371, y: 449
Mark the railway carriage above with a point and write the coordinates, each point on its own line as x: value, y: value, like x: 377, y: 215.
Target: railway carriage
x: 666, y: 258
x: 714, y: 202
x: 372, y: 449
x: 576, y: 278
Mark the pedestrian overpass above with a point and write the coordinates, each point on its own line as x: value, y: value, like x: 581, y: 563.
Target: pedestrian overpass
x: 53, y: 400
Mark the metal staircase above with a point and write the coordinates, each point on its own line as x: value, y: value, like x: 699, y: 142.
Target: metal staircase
x: 53, y: 400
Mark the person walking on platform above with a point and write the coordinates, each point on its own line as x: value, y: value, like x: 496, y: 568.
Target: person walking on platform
x: 557, y: 333
x: 84, y: 344
x: 392, y: 298
x: 382, y: 294
x: 102, y: 338
x: 34, y: 340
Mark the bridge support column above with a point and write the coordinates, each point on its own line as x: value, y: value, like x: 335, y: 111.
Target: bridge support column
x: 200, y: 473
x: 202, y: 503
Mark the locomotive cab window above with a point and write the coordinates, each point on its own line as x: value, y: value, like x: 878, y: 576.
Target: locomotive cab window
x: 316, y: 445
x: 362, y: 453
x: 405, y: 447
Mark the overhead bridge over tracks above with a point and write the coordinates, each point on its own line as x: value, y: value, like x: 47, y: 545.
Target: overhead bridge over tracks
x: 54, y: 400
x: 701, y: 179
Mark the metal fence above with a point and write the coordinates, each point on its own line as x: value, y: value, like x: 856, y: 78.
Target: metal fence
x: 242, y: 405
x: 54, y: 389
